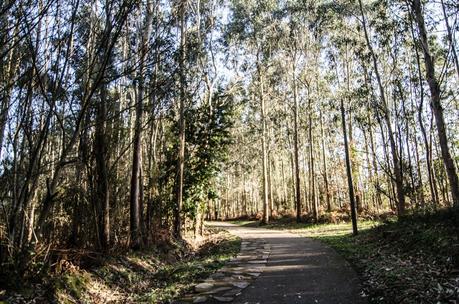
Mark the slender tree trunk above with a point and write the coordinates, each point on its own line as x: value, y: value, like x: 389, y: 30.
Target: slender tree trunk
x: 395, y: 157
x: 413, y: 95
x: 270, y: 185
x: 431, y: 178
x: 324, y: 158
x: 369, y: 169
x: 296, y: 148
x: 407, y: 139
x: 375, y: 166
x: 349, y: 172
x: 8, y: 70
x: 450, y: 38
x: 102, y: 202
x: 136, y: 196
x: 315, y: 211
x: 265, y: 219
x: 436, y: 103
x: 181, y: 152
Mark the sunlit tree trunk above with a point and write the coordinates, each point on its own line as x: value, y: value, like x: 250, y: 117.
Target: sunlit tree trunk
x: 315, y: 211
x: 265, y: 219
x: 295, y: 145
x: 436, y: 103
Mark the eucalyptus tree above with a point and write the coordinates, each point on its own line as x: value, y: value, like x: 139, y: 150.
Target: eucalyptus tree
x: 437, y: 108
x: 253, y: 24
x: 396, y: 162
x: 136, y: 178
x: 182, y: 12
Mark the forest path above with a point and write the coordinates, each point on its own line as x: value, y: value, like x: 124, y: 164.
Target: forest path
x: 298, y: 270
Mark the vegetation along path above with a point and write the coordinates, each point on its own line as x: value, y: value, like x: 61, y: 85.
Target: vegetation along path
x: 297, y: 270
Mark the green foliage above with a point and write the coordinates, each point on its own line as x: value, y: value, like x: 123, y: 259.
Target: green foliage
x: 208, y: 136
x: 208, y: 139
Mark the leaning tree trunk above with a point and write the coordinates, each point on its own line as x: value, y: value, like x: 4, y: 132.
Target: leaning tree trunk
x: 432, y: 183
x: 450, y: 37
x: 436, y: 103
x: 107, y: 44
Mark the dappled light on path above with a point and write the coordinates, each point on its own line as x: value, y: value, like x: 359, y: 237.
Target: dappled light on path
x: 297, y: 270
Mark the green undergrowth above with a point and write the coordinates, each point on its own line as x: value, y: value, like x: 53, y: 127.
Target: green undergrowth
x: 411, y: 260
x: 151, y: 276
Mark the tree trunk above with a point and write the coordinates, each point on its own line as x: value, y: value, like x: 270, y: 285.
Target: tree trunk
x: 181, y: 152
x: 436, y: 104
x: 386, y: 115
x: 315, y: 211
x: 265, y: 219
x: 102, y: 203
x: 450, y: 38
x: 349, y: 171
x: 136, y: 177
x: 296, y: 149
x: 327, y: 191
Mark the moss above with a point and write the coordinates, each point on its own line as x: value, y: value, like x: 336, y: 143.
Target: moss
x: 76, y: 284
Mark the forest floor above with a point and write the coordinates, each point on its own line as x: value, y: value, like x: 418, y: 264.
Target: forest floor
x: 155, y: 276
x: 413, y: 260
